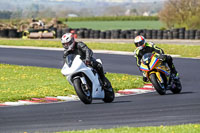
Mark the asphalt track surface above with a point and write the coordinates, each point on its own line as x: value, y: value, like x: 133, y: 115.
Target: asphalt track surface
x: 140, y: 110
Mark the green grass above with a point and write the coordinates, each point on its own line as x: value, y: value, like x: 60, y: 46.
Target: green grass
x: 110, y: 25
x: 110, y: 18
x: 182, y: 50
x: 25, y: 82
x: 189, y: 128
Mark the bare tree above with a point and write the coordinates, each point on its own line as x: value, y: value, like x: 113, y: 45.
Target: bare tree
x: 181, y: 13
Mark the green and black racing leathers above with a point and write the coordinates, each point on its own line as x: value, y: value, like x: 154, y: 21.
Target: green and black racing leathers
x: 151, y: 48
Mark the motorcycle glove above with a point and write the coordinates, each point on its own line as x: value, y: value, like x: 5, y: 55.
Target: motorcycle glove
x: 87, y: 62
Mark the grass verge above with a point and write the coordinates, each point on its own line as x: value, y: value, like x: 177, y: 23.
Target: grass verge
x: 25, y: 82
x: 113, y: 25
x: 182, y: 50
x: 189, y: 128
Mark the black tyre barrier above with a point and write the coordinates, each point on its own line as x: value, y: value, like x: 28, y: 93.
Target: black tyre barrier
x: 170, y: 34
x: 123, y: 34
x: 132, y: 34
x: 115, y: 34
x: 12, y: 33
x: 4, y: 33
x: 102, y: 35
x: 86, y: 33
x: 165, y: 34
x: 91, y: 34
x: 19, y: 34
x: 180, y: 33
x: 175, y: 33
x: 128, y: 34
x: 108, y: 34
x: 97, y: 34
x: 80, y: 34
x: 192, y: 34
x: 59, y: 33
x: 154, y: 34
x: 149, y: 34
x: 197, y: 36
x: 187, y: 33
x: 160, y: 34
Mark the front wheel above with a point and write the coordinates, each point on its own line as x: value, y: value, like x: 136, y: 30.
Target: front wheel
x: 160, y: 88
x: 83, y: 93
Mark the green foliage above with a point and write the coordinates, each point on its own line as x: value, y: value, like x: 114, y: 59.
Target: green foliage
x: 194, y: 22
x: 113, y: 18
x: 179, y: 13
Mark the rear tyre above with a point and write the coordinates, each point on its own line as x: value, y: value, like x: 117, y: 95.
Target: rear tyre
x: 178, y: 87
x: 158, y: 86
x: 84, y: 94
x: 109, y: 93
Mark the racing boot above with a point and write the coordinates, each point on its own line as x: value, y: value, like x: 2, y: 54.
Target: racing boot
x: 170, y: 63
x: 174, y: 73
x: 103, y: 79
x: 102, y: 75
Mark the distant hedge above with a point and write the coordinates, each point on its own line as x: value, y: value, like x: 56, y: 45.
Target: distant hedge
x: 113, y: 18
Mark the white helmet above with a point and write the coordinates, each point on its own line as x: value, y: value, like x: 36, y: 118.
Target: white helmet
x: 68, y: 41
x: 139, y: 42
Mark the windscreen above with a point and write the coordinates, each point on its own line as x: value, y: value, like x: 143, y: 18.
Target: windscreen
x: 69, y: 59
x: 146, y: 58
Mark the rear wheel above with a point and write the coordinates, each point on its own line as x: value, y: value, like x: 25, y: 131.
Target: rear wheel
x: 83, y: 93
x: 178, y: 87
x: 160, y: 88
x: 109, y: 93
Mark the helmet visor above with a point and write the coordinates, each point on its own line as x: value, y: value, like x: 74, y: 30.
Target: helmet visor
x: 138, y: 44
x: 67, y: 44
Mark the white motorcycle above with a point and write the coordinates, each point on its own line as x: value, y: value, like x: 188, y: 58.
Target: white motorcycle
x: 86, y: 80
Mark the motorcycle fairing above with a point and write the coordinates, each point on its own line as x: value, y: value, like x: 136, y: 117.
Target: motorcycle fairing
x: 163, y: 71
x: 152, y: 64
x: 78, y: 67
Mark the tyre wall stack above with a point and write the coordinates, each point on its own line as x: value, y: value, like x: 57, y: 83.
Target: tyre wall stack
x: 180, y: 33
x: 10, y: 33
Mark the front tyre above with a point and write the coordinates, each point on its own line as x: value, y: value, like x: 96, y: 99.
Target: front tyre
x: 83, y: 93
x: 157, y: 85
